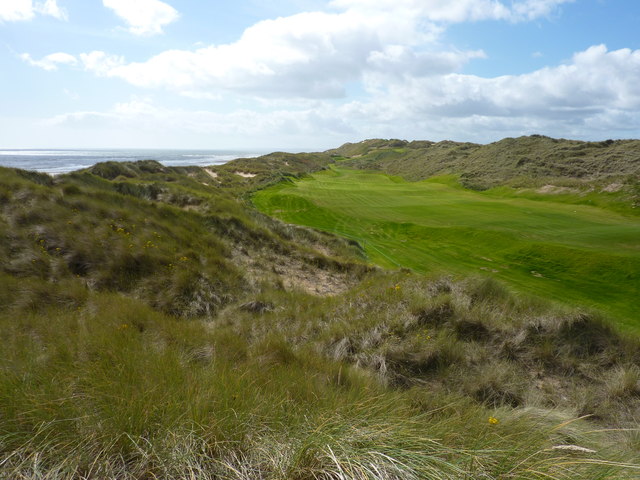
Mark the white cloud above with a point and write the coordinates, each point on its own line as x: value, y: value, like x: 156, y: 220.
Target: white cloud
x: 242, y: 126
x: 144, y: 17
x: 100, y: 63
x: 51, y: 8
x: 323, y: 126
x: 72, y: 95
x: 576, y: 100
x: 97, y: 62
x: 20, y: 10
x: 532, y: 9
x: 316, y: 54
x: 296, y: 73
x: 50, y: 62
x: 309, y: 55
x: 16, y: 10
x: 456, y: 11
x: 595, y: 81
x: 595, y: 95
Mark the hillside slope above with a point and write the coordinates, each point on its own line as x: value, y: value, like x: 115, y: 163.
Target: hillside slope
x: 154, y: 325
x: 576, y: 254
x: 524, y: 161
x: 160, y: 234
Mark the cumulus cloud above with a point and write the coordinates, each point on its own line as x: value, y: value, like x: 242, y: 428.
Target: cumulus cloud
x: 596, y: 93
x: 300, y: 67
x: 20, y: 10
x: 100, y: 63
x: 249, y: 127
x: 595, y: 84
x: 315, y: 54
x: 50, y: 62
x: 97, y: 62
x: 460, y: 10
x: 407, y: 111
x: 16, y: 10
x: 144, y: 17
x: 309, y: 55
x: 51, y: 8
x: 596, y: 80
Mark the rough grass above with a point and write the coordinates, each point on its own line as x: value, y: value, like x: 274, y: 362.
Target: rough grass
x: 525, y: 161
x: 158, y: 234
x: 188, y: 355
x: 471, y: 338
x: 573, y: 253
x: 112, y: 389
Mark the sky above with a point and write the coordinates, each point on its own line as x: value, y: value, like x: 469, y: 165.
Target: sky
x: 311, y: 74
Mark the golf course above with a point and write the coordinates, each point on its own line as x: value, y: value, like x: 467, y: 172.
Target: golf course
x: 569, y: 251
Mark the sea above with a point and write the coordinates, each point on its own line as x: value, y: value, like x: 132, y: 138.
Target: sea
x: 56, y: 162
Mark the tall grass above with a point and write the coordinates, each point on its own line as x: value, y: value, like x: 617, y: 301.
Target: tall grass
x: 117, y: 390
x: 173, y: 359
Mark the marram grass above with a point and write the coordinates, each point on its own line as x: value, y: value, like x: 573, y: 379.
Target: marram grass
x: 147, y: 332
x: 116, y: 390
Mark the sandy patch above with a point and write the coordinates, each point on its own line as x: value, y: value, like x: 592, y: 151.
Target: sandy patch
x: 555, y: 190
x: 211, y: 173
x: 245, y: 174
x: 294, y: 274
x: 614, y: 187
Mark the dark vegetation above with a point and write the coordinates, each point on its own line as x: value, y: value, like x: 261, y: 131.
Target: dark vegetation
x: 153, y: 325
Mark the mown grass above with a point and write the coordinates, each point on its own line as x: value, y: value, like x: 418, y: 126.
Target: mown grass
x: 574, y: 253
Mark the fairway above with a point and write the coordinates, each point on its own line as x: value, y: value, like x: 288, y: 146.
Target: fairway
x: 578, y: 255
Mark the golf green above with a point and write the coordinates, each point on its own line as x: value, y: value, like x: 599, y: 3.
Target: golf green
x: 575, y: 254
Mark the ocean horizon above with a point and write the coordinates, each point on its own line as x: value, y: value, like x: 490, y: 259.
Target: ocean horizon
x: 58, y: 161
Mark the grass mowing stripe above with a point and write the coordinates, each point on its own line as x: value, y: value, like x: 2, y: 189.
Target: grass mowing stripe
x: 576, y: 254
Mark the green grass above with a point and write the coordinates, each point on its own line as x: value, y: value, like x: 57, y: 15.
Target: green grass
x: 523, y: 161
x: 152, y: 326
x: 573, y: 253
x: 108, y: 388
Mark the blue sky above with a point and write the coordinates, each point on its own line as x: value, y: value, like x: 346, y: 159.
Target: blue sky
x: 312, y: 74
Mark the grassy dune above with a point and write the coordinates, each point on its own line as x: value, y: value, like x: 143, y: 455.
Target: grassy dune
x: 574, y: 253
x: 155, y: 326
x: 535, y: 159
x: 309, y: 387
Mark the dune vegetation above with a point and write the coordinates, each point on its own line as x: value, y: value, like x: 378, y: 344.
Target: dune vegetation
x: 154, y: 325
